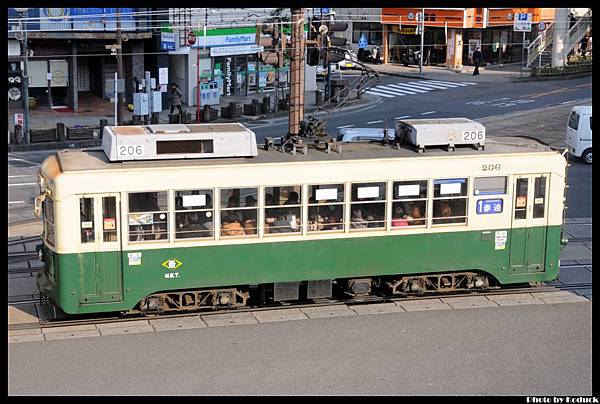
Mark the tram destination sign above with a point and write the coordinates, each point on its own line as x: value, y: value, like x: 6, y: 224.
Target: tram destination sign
x: 489, y: 206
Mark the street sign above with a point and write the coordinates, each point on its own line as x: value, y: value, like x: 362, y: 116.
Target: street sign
x: 522, y: 22
x: 542, y: 26
x: 362, y: 42
x: 19, y: 119
x: 167, y: 41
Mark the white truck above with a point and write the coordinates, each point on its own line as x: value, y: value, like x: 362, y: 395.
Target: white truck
x: 579, y: 132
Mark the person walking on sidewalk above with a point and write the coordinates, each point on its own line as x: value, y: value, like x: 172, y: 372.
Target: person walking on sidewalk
x: 476, y: 61
x: 175, y: 98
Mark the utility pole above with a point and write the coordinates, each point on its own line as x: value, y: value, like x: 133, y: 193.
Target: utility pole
x: 25, y: 79
x: 119, y: 95
x: 297, y: 72
x: 422, y: 39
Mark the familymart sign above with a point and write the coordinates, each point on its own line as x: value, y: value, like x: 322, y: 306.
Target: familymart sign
x: 225, y: 37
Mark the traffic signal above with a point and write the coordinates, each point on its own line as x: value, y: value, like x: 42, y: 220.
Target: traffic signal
x: 15, y: 87
x: 273, y: 53
x: 333, y: 44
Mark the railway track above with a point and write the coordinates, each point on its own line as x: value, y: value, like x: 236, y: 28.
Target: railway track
x: 99, y: 319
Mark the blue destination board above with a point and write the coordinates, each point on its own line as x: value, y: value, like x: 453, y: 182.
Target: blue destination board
x: 489, y: 206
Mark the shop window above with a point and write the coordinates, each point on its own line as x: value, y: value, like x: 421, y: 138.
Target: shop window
x: 450, y: 201
x: 148, y: 216
x: 325, y: 207
x: 372, y: 31
x: 367, y: 208
x: 409, y: 207
x: 283, y: 209
x: 239, y: 212
x: 194, y: 214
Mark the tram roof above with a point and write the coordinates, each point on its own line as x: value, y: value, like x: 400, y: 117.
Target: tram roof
x: 95, y: 159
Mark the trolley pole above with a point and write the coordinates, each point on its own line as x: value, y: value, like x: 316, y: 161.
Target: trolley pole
x: 119, y: 95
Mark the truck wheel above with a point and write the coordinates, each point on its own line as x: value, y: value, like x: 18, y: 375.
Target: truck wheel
x: 587, y: 156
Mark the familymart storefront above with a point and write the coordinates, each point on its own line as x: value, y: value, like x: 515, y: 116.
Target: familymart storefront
x: 227, y: 57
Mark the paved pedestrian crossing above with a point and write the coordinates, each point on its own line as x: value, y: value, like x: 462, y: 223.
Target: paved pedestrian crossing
x: 415, y: 87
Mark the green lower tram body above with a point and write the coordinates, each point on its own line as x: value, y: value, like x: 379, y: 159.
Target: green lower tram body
x: 105, y: 281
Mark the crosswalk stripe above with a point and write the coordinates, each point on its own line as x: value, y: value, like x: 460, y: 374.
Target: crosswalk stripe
x: 458, y: 83
x: 434, y: 86
x: 379, y: 94
x: 382, y: 90
x: 410, y: 87
x: 445, y: 85
x: 392, y: 89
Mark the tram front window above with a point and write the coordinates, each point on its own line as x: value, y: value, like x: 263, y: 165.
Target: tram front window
x: 148, y: 216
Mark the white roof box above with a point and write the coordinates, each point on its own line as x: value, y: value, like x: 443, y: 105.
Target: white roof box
x: 157, y: 142
x: 449, y: 132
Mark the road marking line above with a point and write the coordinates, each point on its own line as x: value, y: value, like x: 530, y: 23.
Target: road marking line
x: 394, y: 90
x: 450, y: 85
x: 369, y: 123
x: 17, y: 176
x: 402, y: 117
x: 15, y: 202
x: 560, y: 90
x: 584, y: 85
x: 379, y: 94
x: 20, y: 159
x: 456, y: 83
x: 22, y: 185
x: 345, y: 126
x: 410, y: 87
x: 431, y: 87
x: 427, y: 113
x: 568, y: 102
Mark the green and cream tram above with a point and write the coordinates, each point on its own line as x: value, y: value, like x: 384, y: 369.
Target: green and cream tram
x: 182, y: 234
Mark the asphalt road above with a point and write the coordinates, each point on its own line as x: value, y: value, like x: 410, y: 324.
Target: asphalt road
x: 518, y: 350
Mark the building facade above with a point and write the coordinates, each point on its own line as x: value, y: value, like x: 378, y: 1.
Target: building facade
x: 68, y: 56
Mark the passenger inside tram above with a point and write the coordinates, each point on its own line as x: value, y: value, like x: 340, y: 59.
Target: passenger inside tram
x: 399, y: 217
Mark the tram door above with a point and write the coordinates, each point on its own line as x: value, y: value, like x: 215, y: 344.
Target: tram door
x: 528, y: 244
x: 100, y: 248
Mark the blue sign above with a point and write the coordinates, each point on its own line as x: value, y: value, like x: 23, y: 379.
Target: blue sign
x: 522, y: 16
x: 489, y: 206
x: 362, y: 42
x: 167, y: 41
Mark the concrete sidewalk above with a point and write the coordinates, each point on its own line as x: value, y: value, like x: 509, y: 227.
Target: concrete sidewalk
x: 488, y: 74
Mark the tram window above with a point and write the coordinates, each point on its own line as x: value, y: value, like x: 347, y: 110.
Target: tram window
x: 325, y: 207
x: 194, y: 214
x: 109, y: 219
x: 450, y: 201
x: 409, y: 206
x: 148, y: 216
x: 367, y: 208
x: 283, y: 209
x: 521, y: 198
x: 539, y: 197
x: 49, y: 220
x: 86, y: 220
x: 239, y: 212
x: 489, y: 186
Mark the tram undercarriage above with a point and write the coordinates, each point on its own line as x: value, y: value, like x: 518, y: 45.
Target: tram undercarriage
x: 257, y: 295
